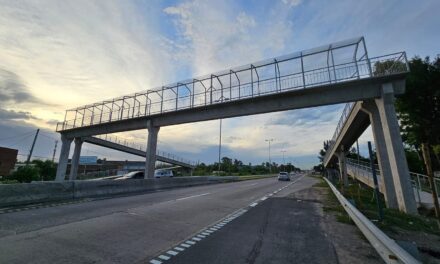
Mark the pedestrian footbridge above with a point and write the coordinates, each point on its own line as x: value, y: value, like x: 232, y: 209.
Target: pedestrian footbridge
x: 341, y: 72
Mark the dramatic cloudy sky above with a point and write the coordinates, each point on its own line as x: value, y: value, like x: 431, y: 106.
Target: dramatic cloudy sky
x: 56, y: 55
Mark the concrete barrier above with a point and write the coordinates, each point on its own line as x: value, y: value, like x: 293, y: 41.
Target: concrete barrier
x: 27, y: 193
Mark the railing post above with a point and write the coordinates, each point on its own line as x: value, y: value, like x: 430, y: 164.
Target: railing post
x: 302, y: 71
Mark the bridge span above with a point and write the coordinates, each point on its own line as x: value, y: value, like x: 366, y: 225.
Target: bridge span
x: 337, y: 73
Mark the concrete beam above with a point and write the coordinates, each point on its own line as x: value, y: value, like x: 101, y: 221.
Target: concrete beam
x: 75, y: 159
x: 386, y: 178
x: 342, y: 167
x: 349, y: 91
x: 396, y: 153
x: 64, y: 158
x: 133, y: 151
x: 150, y: 163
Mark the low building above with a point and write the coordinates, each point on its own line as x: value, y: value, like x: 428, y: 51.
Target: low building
x: 8, y: 158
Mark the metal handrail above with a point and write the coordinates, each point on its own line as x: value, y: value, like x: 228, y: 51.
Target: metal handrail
x: 398, y: 59
x: 418, y: 180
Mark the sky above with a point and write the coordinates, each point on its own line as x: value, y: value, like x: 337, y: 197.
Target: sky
x: 57, y: 55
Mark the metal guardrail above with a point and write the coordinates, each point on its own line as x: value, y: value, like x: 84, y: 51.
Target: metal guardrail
x: 335, y: 63
x: 387, y: 248
x: 126, y: 143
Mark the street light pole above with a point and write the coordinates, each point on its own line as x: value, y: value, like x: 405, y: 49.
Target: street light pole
x: 220, y: 148
x: 284, y: 161
x: 270, y: 162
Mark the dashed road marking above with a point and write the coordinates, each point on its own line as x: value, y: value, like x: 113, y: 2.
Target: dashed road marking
x: 164, y: 257
x: 208, y: 231
x: 179, y: 249
x: 192, y: 196
x: 172, y: 252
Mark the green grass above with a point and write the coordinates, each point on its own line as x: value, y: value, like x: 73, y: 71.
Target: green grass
x: 365, y: 202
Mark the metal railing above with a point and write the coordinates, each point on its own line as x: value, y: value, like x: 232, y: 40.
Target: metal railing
x: 380, y: 66
x: 302, y: 70
x: 134, y: 145
x: 420, y: 182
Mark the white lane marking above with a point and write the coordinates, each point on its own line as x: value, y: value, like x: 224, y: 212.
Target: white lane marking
x: 190, y: 242
x: 213, y: 229
x: 192, y: 196
x: 179, y: 248
x: 205, y: 233
x: 209, y: 231
x: 264, y: 198
x: 164, y: 257
x: 153, y: 261
x: 196, y: 239
x: 253, y: 204
x: 172, y: 252
x: 185, y: 245
x: 252, y: 184
x: 201, y: 236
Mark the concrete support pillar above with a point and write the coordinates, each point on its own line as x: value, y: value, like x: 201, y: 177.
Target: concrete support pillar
x: 342, y: 166
x: 396, y: 154
x: 64, y: 158
x: 386, y: 178
x: 75, y: 159
x: 150, y: 163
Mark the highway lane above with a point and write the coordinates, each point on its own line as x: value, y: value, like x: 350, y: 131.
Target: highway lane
x: 130, y: 229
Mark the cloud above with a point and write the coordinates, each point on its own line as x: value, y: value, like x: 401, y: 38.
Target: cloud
x: 13, y: 90
x: 292, y: 3
x: 8, y: 115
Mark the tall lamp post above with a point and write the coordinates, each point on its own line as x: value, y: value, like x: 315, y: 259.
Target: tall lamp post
x: 270, y: 162
x: 284, y: 161
x: 220, y: 147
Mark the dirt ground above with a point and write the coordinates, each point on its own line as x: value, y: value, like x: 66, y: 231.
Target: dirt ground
x: 349, y: 243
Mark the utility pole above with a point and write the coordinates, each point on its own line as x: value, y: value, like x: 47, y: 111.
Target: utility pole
x: 32, y: 147
x: 270, y: 162
x: 54, y: 150
x: 220, y: 148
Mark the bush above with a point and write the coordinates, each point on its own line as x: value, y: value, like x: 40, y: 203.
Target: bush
x: 26, y: 174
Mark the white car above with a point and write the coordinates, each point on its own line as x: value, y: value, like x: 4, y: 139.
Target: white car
x: 163, y: 173
x: 283, y: 176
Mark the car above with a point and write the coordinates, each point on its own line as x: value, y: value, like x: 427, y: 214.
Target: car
x: 163, y: 173
x: 132, y: 175
x: 283, y: 176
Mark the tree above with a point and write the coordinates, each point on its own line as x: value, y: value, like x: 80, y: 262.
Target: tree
x: 26, y: 174
x: 47, y: 169
x: 419, y: 113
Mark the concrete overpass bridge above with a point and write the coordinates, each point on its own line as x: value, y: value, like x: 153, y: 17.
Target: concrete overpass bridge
x: 337, y: 73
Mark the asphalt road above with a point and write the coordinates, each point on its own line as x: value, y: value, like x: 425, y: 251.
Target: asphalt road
x: 132, y: 229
